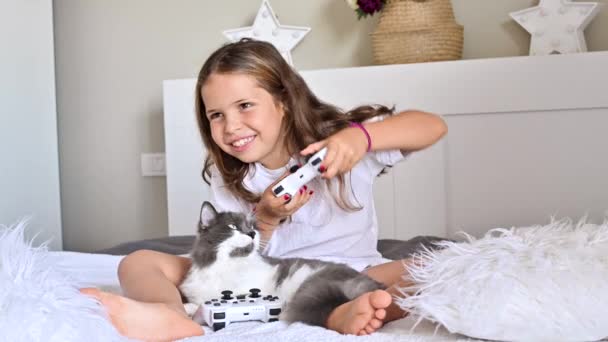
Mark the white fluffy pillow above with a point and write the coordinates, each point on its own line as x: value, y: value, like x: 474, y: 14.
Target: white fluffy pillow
x: 542, y: 283
x: 39, y: 303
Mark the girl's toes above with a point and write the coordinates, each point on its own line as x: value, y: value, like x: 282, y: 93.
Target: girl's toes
x: 380, y: 314
x: 375, y: 323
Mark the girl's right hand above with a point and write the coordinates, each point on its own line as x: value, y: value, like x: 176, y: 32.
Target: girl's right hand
x: 271, y: 210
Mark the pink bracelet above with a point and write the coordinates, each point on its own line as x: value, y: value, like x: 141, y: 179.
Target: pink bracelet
x: 360, y: 126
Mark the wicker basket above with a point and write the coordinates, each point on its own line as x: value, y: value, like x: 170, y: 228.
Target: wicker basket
x: 413, y: 31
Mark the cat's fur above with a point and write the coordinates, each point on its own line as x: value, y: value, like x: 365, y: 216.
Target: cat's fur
x: 225, y: 257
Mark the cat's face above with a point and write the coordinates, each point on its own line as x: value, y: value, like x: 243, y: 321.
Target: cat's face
x: 227, y: 233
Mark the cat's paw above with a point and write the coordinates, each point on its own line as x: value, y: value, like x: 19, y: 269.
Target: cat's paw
x: 190, y: 308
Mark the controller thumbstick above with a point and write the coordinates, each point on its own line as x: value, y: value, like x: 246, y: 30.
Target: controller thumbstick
x: 255, y: 293
x: 226, y: 294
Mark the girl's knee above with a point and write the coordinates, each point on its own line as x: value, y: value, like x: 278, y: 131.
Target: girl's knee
x: 170, y: 266
x: 134, y: 261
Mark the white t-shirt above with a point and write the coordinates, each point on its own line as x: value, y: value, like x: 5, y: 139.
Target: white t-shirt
x: 321, y: 229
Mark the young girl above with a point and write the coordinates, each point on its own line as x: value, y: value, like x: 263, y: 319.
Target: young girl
x: 258, y: 119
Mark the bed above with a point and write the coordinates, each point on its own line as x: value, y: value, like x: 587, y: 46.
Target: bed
x: 40, y: 300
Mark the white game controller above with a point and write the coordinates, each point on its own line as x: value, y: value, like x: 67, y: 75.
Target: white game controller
x: 291, y: 184
x: 219, y: 313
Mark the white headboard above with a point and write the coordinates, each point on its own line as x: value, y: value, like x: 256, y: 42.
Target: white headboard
x: 526, y: 140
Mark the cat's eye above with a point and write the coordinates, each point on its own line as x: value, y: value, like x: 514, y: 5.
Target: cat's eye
x: 231, y: 226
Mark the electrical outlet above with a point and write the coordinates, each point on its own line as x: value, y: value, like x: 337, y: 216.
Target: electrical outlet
x: 153, y: 164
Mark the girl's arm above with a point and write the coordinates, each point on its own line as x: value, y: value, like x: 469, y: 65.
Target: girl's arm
x: 407, y: 131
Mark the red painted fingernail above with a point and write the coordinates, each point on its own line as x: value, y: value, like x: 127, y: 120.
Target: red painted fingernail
x: 305, y: 188
x: 301, y: 191
x: 322, y: 168
x: 311, y: 192
x: 254, y: 208
x: 286, y: 197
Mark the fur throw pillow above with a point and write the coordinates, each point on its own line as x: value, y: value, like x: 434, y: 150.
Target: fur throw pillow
x: 38, y: 303
x: 541, y: 283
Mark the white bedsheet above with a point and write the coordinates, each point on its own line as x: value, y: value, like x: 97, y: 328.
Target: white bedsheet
x: 279, y: 331
x: 87, y: 269
x: 99, y: 270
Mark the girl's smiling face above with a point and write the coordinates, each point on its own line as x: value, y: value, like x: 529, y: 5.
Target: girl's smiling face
x: 245, y: 119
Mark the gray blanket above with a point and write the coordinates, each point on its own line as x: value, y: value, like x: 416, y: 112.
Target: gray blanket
x: 390, y: 249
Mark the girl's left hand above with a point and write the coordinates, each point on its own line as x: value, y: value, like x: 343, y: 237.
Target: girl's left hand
x: 344, y: 150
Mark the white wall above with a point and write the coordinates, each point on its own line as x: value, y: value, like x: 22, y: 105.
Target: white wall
x: 29, y: 169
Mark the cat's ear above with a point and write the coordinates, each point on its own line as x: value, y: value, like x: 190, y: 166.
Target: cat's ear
x: 208, y: 213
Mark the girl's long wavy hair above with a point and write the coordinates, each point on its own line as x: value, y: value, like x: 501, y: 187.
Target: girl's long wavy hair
x: 306, y: 120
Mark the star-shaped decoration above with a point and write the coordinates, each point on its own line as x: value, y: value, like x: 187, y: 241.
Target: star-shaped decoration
x: 266, y: 27
x: 557, y: 26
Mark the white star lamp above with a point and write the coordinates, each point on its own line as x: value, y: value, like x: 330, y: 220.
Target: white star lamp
x: 266, y: 27
x: 557, y: 26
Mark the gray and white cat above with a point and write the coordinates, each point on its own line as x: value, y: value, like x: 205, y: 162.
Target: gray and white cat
x: 225, y: 257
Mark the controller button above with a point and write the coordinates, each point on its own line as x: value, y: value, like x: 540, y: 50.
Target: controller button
x: 219, y: 315
x: 240, y: 297
x: 278, y: 190
x: 251, y: 301
x: 218, y: 326
x: 273, y: 320
x: 216, y: 304
x: 316, y: 161
x: 275, y: 311
x: 255, y: 293
x: 235, y: 302
x: 207, y: 302
x: 226, y: 294
x: 214, y: 300
x: 224, y: 302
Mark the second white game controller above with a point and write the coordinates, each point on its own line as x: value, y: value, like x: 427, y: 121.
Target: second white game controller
x: 291, y: 184
x: 219, y: 313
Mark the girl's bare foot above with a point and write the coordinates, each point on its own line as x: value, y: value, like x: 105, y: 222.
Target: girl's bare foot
x: 145, y: 321
x: 361, y: 316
